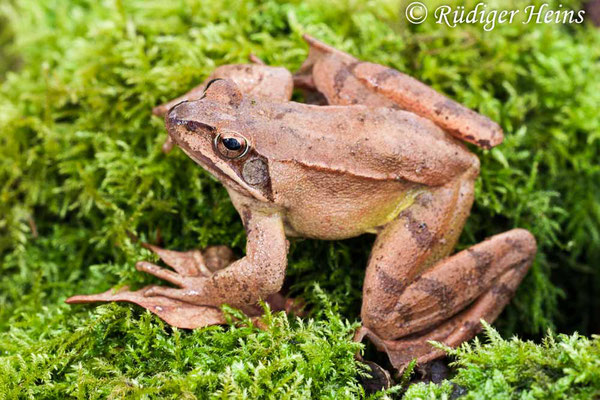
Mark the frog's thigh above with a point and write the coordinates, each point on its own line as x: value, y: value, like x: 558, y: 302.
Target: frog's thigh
x: 415, y: 240
x: 489, y: 271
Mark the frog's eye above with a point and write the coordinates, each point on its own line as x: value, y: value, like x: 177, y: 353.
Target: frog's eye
x: 231, y: 145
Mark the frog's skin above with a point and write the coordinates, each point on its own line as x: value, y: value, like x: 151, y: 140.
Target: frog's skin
x: 384, y: 158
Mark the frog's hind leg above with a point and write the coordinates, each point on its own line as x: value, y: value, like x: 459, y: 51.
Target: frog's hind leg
x: 415, y: 96
x: 186, y: 264
x: 317, y: 51
x: 446, y: 302
x: 413, y: 292
x: 452, y: 332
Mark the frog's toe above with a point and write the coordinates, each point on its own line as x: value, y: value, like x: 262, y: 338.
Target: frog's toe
x: 161, y: 273
x: 276, y: 301
x: 168, y: 145
x: 109, y: 295
x: 175, y: 312
x: 195, y: 262
x: 176, y: 294
x: 188, y: 263
x: 401, y: 352
x: 255, y: 59
x: 184, y: 315
x: 166, y: 303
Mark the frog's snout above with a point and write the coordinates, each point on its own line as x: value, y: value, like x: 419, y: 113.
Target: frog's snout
x: 177, y: 114
x: 184, y: 114
x: 181, y: 121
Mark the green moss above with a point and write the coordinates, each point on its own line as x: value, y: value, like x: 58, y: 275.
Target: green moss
x: 81, y: 170
x: 120, y: 354
x: 561, y: 367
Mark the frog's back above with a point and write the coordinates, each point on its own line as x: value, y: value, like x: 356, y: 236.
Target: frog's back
x: 375, y: 143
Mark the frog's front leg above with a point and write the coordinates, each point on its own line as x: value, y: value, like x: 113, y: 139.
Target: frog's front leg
x: 245, y: 281
x: 190, y: 263
x: 413, y: 293
x: 211, y: 278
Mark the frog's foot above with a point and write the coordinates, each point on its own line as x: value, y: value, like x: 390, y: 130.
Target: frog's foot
x: 179, y: 313
x: 188, y: 266
x: 196, y: 263
x: 447, y: 303
x: 174, y: 312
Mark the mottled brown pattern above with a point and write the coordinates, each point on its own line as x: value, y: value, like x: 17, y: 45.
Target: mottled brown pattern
x: 484, y: 143
x: 418, y: 230
x: 483, y: 260
x: 502, y: 291
x: 405, y: 314
x: 444, y: 294
x: 390, y: 284
x: 384, y: 75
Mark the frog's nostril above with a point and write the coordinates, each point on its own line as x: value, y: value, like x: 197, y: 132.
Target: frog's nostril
x: 171, y: 121
x: 177, y: 115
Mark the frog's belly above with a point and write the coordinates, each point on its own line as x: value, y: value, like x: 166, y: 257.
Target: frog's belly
x: 327, y: 205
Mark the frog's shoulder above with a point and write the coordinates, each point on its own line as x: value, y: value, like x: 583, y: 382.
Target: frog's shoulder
x: 373, y: 142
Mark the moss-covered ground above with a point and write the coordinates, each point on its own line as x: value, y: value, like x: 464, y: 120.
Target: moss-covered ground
x: 82, y: 174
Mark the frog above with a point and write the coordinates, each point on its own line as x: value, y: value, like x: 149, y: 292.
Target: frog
x: 380, y: 153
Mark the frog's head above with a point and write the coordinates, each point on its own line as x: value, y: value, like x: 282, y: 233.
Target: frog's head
x: 212, y: 132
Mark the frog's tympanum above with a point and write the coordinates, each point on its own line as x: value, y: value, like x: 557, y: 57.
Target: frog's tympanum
x: 382, y: 156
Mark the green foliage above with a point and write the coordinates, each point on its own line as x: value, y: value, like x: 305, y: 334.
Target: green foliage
x: 430, y: 391
x: 81, y: 171
x: 561, y: 367
x: 117, y: 354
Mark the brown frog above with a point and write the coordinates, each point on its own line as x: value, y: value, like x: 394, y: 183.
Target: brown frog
x: 383, y: 157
